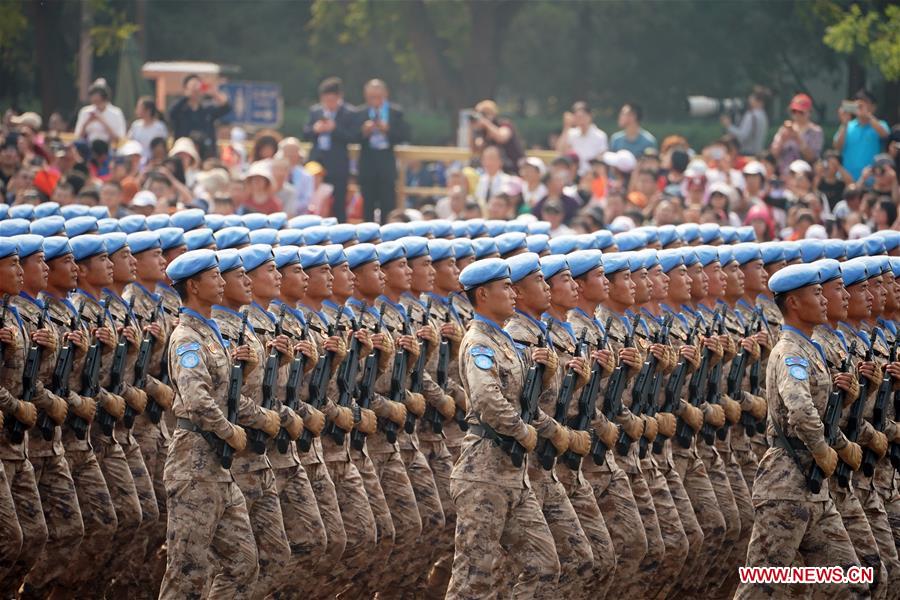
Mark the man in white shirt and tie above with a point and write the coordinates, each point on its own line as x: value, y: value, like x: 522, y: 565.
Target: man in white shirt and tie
x: 580, y: 135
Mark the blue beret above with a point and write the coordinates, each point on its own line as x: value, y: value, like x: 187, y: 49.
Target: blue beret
x: 155, y: 222
x: 462, y: 247
x: 395, y: 231
x: 21, y: 211
x: 170, y: 237
x: 460, y: 229
x: 415, y: 246
x: 485, y: 247
x: 70, y: 211
x: 614, y: 262
x: 46, y: 209
x: 829, y: 269
x: 706, y: 254
x: 746, y: 234
x: 87, y: 246
x: 854, y: 271
x: 668, y: 234
x: 854, y: 248
x: 482, y: 272
x: 7, y: 247
x: 109, y: 225
x: 812, y: 250
x: 200, y: 238
x: 495, y: 227
x: 101, y: 212
x: 277, y: 220
x: 342, y: 233
x: 233, y: 221
x: 212, y: 221
x: 877, y: 265
x: 689, y: 232
x: 517, y: 225
x: 646, y: 258
x: 629, y: 240
x: 650, y: 232
x: 335, y: 254
x: 56, y: 246
x: 891, y: 238
x: 80, y: 226
x: 791, y: 251
x: 728, y: 233
x: 48, y: 226
x: 329, y: 221
x: 895, y: 265
x: 441, y: 228
x: 635, y: 261
x: 689, y: 256
x: 477, y: 228
x: 747, y: 252
x: 304, y: 221
x: 726, y: 254
x: 232, y: 237
x: 772, y: 252
x: 586, y: 241
x: 256, y: 255
x: 286, y: 256
x: 874, y: 245
x: 142, y: 241
x: 510, y: 242
x: 317, y: 234
x: 368, y: 232
x: 616, y: 227
x: 10, y: 227
x: 266, y: 235
x: 709, y: 232
x: 361, y: 254
x: 191, y: 263
x: 420, y: 228
x: 229, y: 260
x: 523, y: 265
x: 440, y: 249
x: 563, y: 244
x: 794, y: 277
x: 388, y: 251
x: 133, y: 223
x: 538, y: 242
x: 605, y: 238
x: 313, y: 256
x: 115, y: 241
x: 669, y: 259
x: 539, y: 227
x: 28, y: 244
x: 255, y: 221
x: 835, y: 249
x: 291, y: 237
x: 582, y: 262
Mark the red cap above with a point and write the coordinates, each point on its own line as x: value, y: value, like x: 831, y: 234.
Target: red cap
x: 801, y: 102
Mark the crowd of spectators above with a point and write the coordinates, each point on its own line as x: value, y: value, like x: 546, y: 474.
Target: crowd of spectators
x: 794, y: 184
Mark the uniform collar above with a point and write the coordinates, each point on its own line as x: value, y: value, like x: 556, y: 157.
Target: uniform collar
x: 189, y: 312
x: 153, y: 295
x: 810, y: 341
x: 497, y: 328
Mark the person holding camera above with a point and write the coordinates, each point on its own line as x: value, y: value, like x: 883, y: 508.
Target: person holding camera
x: 195, y: 114
x: 752, y: 130
x: 487, y: 129
x: 100, y: 120
x: 798, y: 138
x: 861, y: 134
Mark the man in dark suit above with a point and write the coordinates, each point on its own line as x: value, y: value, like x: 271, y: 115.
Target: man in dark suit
x: 382, y: 127
x: 331, y: 126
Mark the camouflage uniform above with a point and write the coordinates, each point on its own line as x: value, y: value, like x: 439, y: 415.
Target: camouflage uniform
x: 253, y: 472
x: 789, y: 518
x: 208, y: 515
x: 773, y: 320
x: 10, y: 532
x: 496, y: 507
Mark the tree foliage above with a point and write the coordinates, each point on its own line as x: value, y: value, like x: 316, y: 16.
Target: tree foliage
x: 871, y: 33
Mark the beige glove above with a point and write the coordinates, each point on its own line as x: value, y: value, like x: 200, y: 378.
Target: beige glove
x: 368, y: 422
x: 693, y: 416
x: 314, y: 421
x: 827, y: 460
x: 85, y: 408
x: 114, y: 405
x: 758, y: 407
x: 238, y: 438
x: 530, y: 439
x: 343, y: 418
x: 58, y: 409
x: 651, y: 428
x: 584, y: 374
x: 634, y: 428
x: 447, y: 407
x: 878, y: 443
x: 579, y: 441
x: 136, y: 398
x: 163, y: 394
x: 560, y: 439
x: 714, y: 415
x: 666, y: 423
x: 608, y: 434
x: 550, y: 370
x: 850, y: 454
x: 732, y: 410
x: 272, y: 423
x: 294, y: 425
x: 415, y: 403
x: 26, y: 413
x: 397, y: 413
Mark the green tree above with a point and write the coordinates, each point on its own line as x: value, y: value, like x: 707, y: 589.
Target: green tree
x: 868, y: 32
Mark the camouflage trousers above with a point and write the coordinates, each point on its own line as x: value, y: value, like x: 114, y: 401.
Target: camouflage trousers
x: 151, y: 566
x: 814, y: 530
x: 891, y: 501
x: 883, y: 530
x: 581, y: 495
x: 23, y: 487
x: 366, y: 581
x: 720, y: 478
x: 267, y: 523
x: 62, y: 514
x: 656, y: 548
x: 857, y: 525
x: 741, y: 492
x: 208, y: 537
x: 692, y: 530
x: 491, y: 519
x: 335, y: 537
x: 10, y: 532
x: 439, y: 578
x: 302, y: 523
x: 671, y: 529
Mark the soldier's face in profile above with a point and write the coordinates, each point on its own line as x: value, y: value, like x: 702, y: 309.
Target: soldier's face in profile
x: 209, y: 286
x: 810, y: 305
x: 497, y: 300
x: 11, y: 275
x: 35, y: 272
x: 593, y: 286
x: 321, y: 282
x: 397, y: 275
x: 679, y: 285
x: 534, y: 293
x: 734, y: 281
x: 293, y: 282
x: 621, y: 288
x: 422, y: 278
x: 266, y: 281
x: 151, y: 266
x: 446, y: 275
x: 890, y: 293
x: 369, y: 280
x: 237, y: 288
x: 755, y: 277
x: 344, y: 281
x: 63, y: 273
x: 860, y: 306
x: 124, y: 265
x: 659, y: 283
x: 563, y: 290
x: 876, y: 288
x: 462, y: 263
x: 699, y: 282
x: 716, y: 278
x: 837, y: 298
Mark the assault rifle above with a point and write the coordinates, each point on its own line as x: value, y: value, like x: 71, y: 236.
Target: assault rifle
x: 675, y: 385
x: 546, y: 451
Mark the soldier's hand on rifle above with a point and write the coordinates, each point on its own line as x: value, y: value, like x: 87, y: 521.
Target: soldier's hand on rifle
x: 751, y: 347
x: 560, y: 439
x: 692, y: 415
x: 136, y: 398
x: 163, y: 394
x: 396, y: 413
x: 45, y: 339
x: 633, y: 427
x: 729, y: 348
x: 272, y: 423
x: 582, y: 371
x: 651, y: 427
x: 462, y: 402
x: 691, y: 354
x: 666, y: 422
x: 114, y: 405
x: 155, y: 329
x: 548, y: 358
x: 106, y: 337
x: 878, y: 443
x: 79, y: 340
x: 385, y: 344
x: 632, y: 358
x: 851, y: 454
x: 415, y: 403
x: 58, y: 409
x: 894, y: 369
x: 848, y: 383
x: 579, y: 441
x: 368, y: 422
x: 827, y: 460
x: 608, y: 434
x: 85, y: 408
x: 365, y: 341
x: 26, y: 413
x: 606, y: 359
x: 131, y: 335
x: 732, y: 410
x: 309, y: 350
x: 283, y: 345
x: 343, y: 418
x: 529, y: 441
x: 453, y: 332
x: 411, y: 345
x: 337, y: 345
x: 10, y: 342
x: 314, y: 421
x: 430, y: 334
x: 758, y: 407
x: 715, y: 346
x: 238, y: 438
x: 871, y: 371
x: 714, y: 415
x: 762, y: 338
x: 247, y: 355
x: 293, y: 424
x: 446, y: 406
x: 660, y: 352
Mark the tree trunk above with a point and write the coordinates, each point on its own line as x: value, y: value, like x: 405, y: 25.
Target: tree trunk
x: 444, y: 84
x: 856, y: 76
x: 85, y: 50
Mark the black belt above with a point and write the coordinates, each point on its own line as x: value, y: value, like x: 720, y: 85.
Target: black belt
x: 790, y: 443
x: 187, y: 425
x: 484, y: 431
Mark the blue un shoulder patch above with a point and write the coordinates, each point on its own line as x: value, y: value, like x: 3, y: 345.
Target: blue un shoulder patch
x: 190, y: 359
x: 189, y: 347
x: 796, y: 361
x: 798, y: 372
x: 482, y: 356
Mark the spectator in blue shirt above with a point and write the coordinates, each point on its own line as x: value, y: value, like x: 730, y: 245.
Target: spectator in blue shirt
x: 860, y: 139
x: 632, y: 136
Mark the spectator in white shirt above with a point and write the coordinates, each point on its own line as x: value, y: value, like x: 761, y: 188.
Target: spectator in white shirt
x: 532, y: 171
x: 493, y: 180
x: 100, y: 120
x: 580, y: 135
x: 148, y: 125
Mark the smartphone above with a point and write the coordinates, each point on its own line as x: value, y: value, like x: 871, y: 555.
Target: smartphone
x: 849, y: 107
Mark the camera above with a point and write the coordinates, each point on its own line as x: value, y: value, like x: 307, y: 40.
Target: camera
x: 705, y: 106
x: 472, y: 115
